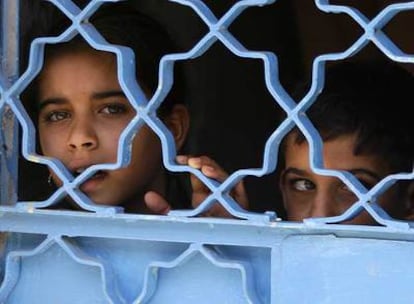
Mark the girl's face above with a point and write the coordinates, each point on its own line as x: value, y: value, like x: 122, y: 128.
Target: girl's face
x: 82, y: 114
x: 307, y: 194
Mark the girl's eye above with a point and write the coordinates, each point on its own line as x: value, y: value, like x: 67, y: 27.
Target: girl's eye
x: 302, y: 185
x: 114, y: 109
x: 56, y: 116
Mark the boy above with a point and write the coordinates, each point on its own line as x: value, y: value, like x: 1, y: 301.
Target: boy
x: 364, y: 120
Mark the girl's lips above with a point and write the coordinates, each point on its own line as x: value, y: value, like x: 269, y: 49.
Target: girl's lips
x: 93, y: 182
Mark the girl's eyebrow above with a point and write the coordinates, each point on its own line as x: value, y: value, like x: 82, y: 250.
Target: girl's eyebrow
x: 98, y: 95
x: 108, y: 94
x: 44, y: 103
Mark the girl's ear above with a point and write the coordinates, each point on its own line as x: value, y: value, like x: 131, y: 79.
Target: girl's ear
x: 178, y: 121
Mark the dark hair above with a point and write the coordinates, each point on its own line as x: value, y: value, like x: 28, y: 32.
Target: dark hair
x: 122, y: 24
x: 371, y: 99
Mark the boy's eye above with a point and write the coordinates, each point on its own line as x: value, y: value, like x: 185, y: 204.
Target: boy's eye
x: 346, y: 190
x: 302, y: 184
x: 366, y: 184
x: 56, y: 116
x: 114, y: 109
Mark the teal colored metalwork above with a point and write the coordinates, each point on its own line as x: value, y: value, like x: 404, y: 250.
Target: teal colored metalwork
x: 106, y: 256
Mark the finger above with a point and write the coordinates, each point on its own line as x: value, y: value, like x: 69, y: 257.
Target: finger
x: 208, y: 167
x: 217, y: 210
x: 240, y: 195
x: 205, y: 164
x: 199, y: 196
x: 182, y: 159
x: 212, y: 170
x: 156, y: 203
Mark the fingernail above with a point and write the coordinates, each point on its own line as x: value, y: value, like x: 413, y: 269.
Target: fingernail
x: 194, y: 162
x: 181, y: 159
x: 208, y: 169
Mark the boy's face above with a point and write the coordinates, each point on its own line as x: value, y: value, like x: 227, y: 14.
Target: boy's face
x: 82, y: 114
x: 307, y: 194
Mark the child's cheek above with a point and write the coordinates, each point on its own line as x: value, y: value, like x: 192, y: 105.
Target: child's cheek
x: 296, y: 203
x: 345, y: 200
x: 46, y: 144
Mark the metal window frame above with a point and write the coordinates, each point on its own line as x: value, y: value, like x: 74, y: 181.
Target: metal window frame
x: 226, y: 246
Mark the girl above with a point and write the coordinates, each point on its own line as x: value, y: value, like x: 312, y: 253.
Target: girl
x: 81, y: 111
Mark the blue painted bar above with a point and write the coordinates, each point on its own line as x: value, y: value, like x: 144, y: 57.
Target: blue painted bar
x: 9, y: 67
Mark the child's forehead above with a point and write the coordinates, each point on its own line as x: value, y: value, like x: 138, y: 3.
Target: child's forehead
x: 338, y: 153
x: 70, y: 73
x: 76, y: 62
x: 78, y: 50
x: 344, y: 142
x: 296, y: 136
x: 77, y: 47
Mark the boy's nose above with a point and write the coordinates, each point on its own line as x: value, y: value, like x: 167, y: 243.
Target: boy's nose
x: 323, y: 205
x: 82, y: 135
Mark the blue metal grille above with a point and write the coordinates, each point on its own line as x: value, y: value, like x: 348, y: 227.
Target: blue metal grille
x: 106, y: 256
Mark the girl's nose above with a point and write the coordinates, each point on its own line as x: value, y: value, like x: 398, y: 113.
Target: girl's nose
x: 82, y: 135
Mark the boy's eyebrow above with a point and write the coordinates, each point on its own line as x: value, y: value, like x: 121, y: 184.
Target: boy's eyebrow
x: 356, y: 171
x: 365, y: 172
x: 291, y: 170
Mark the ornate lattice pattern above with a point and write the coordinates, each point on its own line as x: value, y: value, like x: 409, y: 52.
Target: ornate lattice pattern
x: 105, y: 256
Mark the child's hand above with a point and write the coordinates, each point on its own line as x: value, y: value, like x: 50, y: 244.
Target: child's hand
x: 212, y: 170
x: 156, y: 203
